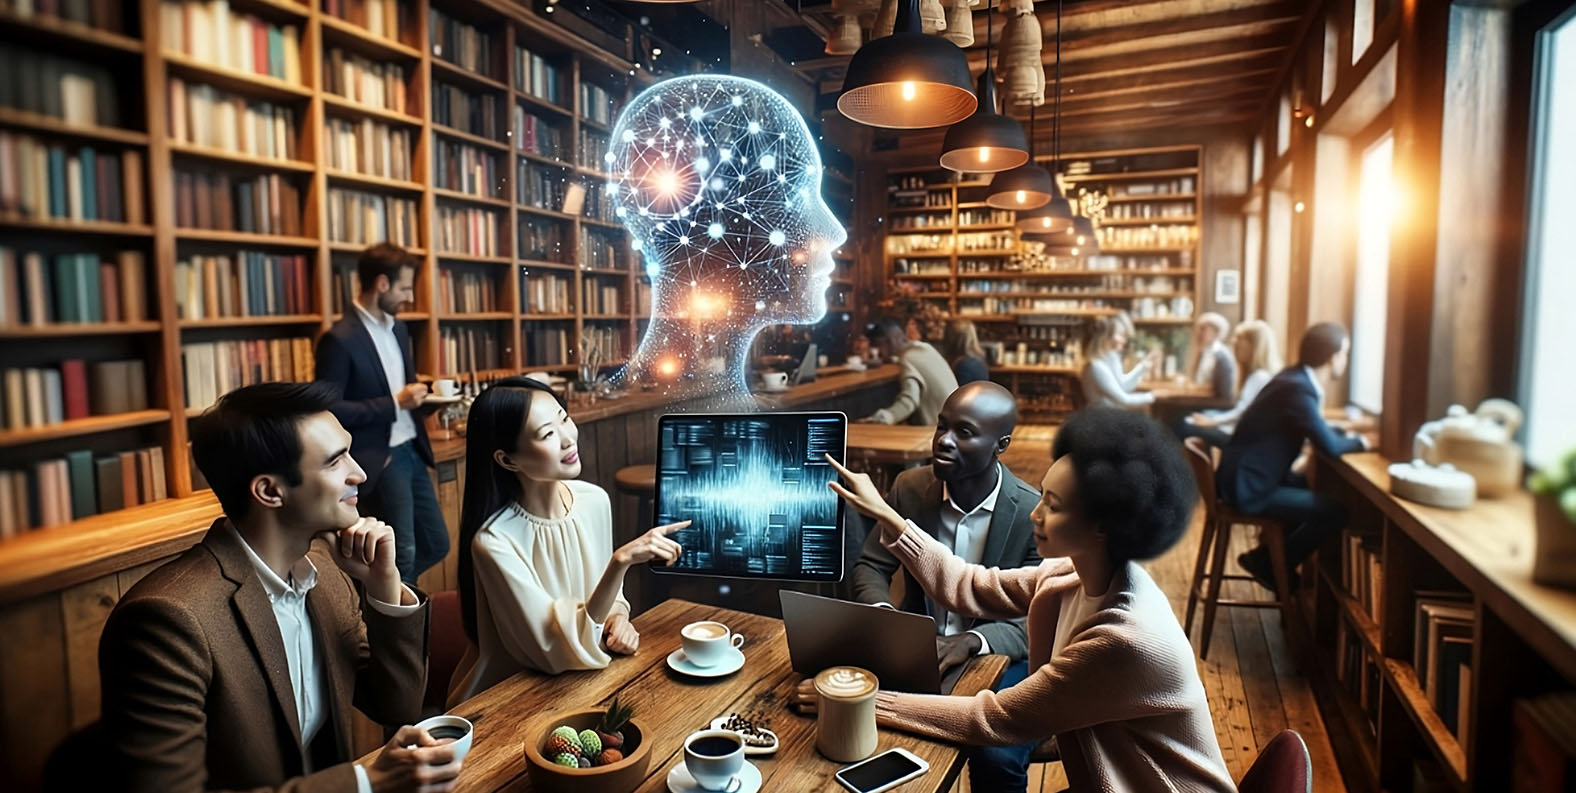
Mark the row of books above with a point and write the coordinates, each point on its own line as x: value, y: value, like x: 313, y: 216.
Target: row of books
x: 542, y: 239
x: 598, y: 249
x: 347, y: 284
x: 466, y: 292
x: 72, y: 91
x: 537, y: 135
x: 545, y: 293
x: 253, y: 284
x: 379, y: 17
x: 1362, y: 575
x: 471, y: 231
x: 1358, y: 672
x: 365, y: 81
x: 537, y: 76
x: 57, y: 491
x: 369, y: 147
x: 597, y: 204
x: 262, y: 204
x: 597, y: 104
x: 591, y: 151
x: 43, y: 179
x: 211, y: 32
x: 1543, y: 744
x: 611, y: 340
x: 1442, y: 634
x: 543, y: 188
x: 363, y: 218
x: 71, y: 287
x: 214, y: 368
x: 100, y: 14
x: 601, y: 296
x: 38, y: 396
x: 466, y: 168
x: 463, y: 348
x: 209, y: 116
x: 461, y: 44
x: 454, y: 107
x: 545, y: 346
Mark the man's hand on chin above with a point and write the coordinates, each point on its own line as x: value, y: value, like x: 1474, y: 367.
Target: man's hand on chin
x: 365, y: 551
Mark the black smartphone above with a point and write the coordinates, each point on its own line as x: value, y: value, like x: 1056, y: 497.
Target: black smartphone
x: 885, y: 771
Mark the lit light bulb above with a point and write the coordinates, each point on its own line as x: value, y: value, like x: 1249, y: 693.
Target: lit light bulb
x: 1023, y: 196
x: 1075, y: 251
x: 985, y: 154
x: 1045, y: 222
x: 667, y: 182
x: 908, y: 90
x: 1299, y: 207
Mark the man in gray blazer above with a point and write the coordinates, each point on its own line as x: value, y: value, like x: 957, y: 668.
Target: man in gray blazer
x: 972, y: 504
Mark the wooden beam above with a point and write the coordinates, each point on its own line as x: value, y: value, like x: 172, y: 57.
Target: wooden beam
x: 1154, y: 59
x: 1189, y: 91
x: 1179, y: 78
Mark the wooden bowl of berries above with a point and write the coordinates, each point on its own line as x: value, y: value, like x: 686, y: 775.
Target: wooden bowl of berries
x: 581, y: 750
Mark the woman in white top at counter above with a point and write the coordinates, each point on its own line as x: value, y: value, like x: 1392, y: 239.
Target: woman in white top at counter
x: 1253, y: 344
x: 1105, y: 382
x: 541, y: 587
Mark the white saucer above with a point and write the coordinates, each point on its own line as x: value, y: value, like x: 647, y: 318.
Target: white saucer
x: 680, y: 781
x: 434, y: 399
x: 730, y: 663
x: 776, y: 389
x: 717, y: 723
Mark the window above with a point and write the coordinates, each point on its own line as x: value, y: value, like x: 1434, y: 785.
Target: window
x: 1548, y: 324
x: 1376, y: 207
x: 1332, y: 48
x: 1258, y: 159
x: 1362, y: 28
x: 1283, y: 124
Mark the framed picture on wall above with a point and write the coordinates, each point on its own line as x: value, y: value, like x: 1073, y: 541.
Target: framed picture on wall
x: 1228, y: 286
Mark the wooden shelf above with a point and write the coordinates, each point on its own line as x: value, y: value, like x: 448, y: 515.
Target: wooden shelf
x: 257, y: 321
x: 340, y: 105
x: 242, y: 159
x: 77, y: 329
x: 1139, y: 251
x: 547, y: 213
x: 922, y: 275
x: 922, y: 255
x: 76, y: 226
x: 76, y: 427
x: 608, y: 128
x: 476, y: 316
x: 1081, y: 273
x: 1190, y: 219
x: 532, y: 101
x: 358, y: 247
x: 373, y: 182
x: 459, y: 74
x: 1122, y: 199
x: 455, y: 195
x: 1075, y: 295
x: 467, y: 257
x: 414, y: 316
x: 988, y: 227
x: 984, y: 254
x: 546, y: 317
x: 1131, y: 175
x: 254, y: 85
x: 919, y: 210
x: 1403, y: 679
x: 594, y: 173
x: 602, y: 271
x: 56, y: 30
x: 543, y: 160
x: 538, y: 263
x: 459, y: 134
x: 1359, y: 620
x: 245, y: 238
x: 607, y: 224
x: 38, y: 122
x: 278, y: 9
x: 1163, y: 320
x: 606, y: 317
x: 356, y: 37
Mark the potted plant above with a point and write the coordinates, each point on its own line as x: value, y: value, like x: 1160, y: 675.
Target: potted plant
x: 1554, y: 496
x: 587, y: 750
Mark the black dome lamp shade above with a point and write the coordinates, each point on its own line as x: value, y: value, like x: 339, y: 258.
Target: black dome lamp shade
x: 986, y: 142
x: 1054, y: 217
x: 1028, y: 186
x: 908, y: 80
x: 1084, y: 236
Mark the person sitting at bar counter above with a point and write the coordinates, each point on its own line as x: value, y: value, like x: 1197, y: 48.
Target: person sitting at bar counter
x: 979, y: 511
x: 925, y: 382
x: 236, y: 665
x: 541, y: 587
x: 961, y: 343
x: 1253, y: 343
x: 1255, y: 474
x: 1114, y: 678
x: 1213, y: 364
x: 1105, y: 382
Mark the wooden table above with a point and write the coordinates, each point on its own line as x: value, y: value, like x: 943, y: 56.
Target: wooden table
x: 670, y: 706
x: 889, y: 444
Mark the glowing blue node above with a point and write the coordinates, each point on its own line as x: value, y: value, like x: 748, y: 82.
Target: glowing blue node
x: 702, y: 164
x: 777, y: 237
x: 753, y: 127
x: 768, y: 162
x: 665, y: 123
x: 695, y: 114
x: 727, y: 154
x: 737, y: 100
x: 715, y: 230
x: 760, y: 304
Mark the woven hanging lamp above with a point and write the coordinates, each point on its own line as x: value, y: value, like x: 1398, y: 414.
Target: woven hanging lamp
x: 908, y: 80
x: 1055, y: 217
x: 1019, y: 68
x: 1025, y: 187
x: 960, y: 24
x: 886, y: 18
x: 986, y: 142
x: 932, y: 17
x: 846, y: 35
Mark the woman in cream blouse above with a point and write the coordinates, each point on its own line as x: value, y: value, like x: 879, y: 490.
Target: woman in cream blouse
x: 540, y: 582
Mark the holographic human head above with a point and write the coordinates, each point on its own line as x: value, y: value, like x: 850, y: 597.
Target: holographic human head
x: 718, y: 181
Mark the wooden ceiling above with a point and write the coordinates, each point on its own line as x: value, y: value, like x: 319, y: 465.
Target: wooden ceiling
x: 1126, y: 64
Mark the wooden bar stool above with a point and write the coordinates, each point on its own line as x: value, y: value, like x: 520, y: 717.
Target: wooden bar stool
x: 1219, y: 520
x: 639, y: 481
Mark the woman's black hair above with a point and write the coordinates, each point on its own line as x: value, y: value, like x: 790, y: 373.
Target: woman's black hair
x: 1133, y: 481
x: 494, y: 423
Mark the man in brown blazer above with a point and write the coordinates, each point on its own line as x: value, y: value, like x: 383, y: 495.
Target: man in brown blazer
x: 236, y: 665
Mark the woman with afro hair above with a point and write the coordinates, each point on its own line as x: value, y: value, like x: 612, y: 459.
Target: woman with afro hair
x: 1114, y: 679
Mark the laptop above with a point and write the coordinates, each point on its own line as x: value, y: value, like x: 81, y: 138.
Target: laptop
x: 806, y: 371
x: 825, y: 632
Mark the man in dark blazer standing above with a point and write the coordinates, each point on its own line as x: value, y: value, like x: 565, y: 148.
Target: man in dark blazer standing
x: 236, y: 665
x: 1255, y: 474
x: 972, y: 504
x: 366, y: 357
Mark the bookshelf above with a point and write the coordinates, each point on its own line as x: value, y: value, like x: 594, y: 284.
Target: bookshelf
x: 1030, y: 295
x: 264, y: 160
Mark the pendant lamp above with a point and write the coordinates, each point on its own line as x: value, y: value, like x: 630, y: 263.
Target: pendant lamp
x: 845, y: 37
x: 960, y: 25
x: 1084, y: 235
x: 886, y: 18
x: 908, y: 80
x: 1020, y: 68
x: 1025, y: 187
x: 932, y: 17
x: 986, y: 142
x: 1055, y: 216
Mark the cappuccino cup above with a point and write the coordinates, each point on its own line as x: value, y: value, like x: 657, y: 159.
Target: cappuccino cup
x: 775, y: 381
x: 715, y: 758
x: 707, y: 643
x: 445, y: 387
x: 855, y: 362
x: 845, y: 721
x: 451, y: 730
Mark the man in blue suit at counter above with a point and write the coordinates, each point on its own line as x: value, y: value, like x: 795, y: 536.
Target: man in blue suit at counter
x: 1255, y: 473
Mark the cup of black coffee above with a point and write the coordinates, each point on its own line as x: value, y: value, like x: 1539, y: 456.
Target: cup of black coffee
x: 451, y: 730
x: 714, y: 758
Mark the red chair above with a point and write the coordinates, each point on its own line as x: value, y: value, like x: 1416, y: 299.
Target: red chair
x: 1283, y: 767
x: 446, y: 645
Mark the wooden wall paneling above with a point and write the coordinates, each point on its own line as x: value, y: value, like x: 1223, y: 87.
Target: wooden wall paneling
x: 1333, y: 218
x: 35, y: 704
x: 451, y: 493
x: 1225, y: 180
x: 84, y: 609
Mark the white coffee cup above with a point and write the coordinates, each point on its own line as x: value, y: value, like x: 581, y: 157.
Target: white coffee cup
x: 856, y: 362
x: 445, y: 387
x: 775, y: 380
x: 713, y: 769
x: 707, y: 643
x: 443, y: 728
